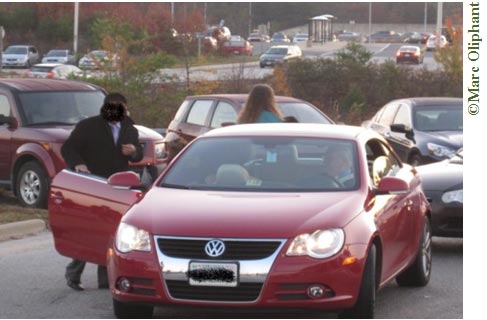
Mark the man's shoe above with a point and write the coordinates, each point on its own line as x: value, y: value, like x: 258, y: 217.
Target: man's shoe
x: 75, y: 285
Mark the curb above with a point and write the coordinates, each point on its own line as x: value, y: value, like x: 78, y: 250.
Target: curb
x: 16, y: 230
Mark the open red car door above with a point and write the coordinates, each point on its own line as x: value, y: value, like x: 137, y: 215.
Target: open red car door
x: 84, y: 213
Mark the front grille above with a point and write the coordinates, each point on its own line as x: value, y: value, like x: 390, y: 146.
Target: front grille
x: 234, y: 250
x: 243, y: 292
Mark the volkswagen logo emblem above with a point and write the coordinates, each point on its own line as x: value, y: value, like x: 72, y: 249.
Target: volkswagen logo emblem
x: 215, y: 248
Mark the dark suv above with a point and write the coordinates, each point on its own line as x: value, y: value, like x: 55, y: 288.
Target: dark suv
x: 199, y: 114
x: 36, y: 117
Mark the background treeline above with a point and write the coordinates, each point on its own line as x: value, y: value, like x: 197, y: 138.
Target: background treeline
x: 48, y: 25
x: 349, y: 88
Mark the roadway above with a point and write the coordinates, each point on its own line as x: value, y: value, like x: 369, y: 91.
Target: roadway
x: 251, y: 70
x: 33, y: 286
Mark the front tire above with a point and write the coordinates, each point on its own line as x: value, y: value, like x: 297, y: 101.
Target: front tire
x: 131, y: 311
x: 364, y: 308
x: 31, y: 185
x: 419, y: 273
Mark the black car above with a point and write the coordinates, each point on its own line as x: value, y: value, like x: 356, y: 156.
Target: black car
x: 443, y: 186
x: 421, y: 130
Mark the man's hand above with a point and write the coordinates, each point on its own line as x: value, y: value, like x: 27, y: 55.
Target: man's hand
x: 81, y: 168
x: 128, y: 149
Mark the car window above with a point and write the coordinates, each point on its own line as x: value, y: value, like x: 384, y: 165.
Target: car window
x: 378, y: 115
x: 4, y: 106
x: 381, y: 161
x: 16, y: 50
x: 38, y: 68
x: 265, y: 164
x: 388, y: 114
x: 199, y: 112
x: 224, y: 112
x: 183, y: 108
x: 302, y: 112
x: 63, y: 107
x: 439, y: 119
x: 403, y: 116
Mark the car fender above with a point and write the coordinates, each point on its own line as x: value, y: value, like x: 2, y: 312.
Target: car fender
x: 34, y: 150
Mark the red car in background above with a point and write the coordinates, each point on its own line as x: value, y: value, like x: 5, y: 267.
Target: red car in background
x: 237, y: 47
x: 246, y: 216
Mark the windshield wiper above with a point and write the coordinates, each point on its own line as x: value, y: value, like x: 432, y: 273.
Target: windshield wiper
x: 174, y: 186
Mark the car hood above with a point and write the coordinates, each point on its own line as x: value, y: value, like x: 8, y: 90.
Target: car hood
x: 174, y: 212
x: 453, y: 138
x: 51, y: 134
x: 147, y: 133
x: 440, y: 176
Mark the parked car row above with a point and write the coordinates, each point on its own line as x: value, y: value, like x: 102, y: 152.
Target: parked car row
x: 25, y: 56
x: 265, y: 200
x: 428, y: 133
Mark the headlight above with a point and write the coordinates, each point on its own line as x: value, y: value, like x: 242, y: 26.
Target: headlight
x: 440, y: 151
x: 320, y: 244
x: 452, y: 196
x: 130, y: 238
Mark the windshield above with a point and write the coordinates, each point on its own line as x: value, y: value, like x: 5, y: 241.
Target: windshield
x: 16, y: 50
x: 41, y: 69
x: 98, y: 54
x: 277, y: 51
x: 64, y: 108
x: 303, y: 112
x: 57, y: 53
x: 266, y: 164
x: 439, y: 118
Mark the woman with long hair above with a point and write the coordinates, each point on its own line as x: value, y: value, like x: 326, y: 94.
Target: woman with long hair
x: 261, y: 106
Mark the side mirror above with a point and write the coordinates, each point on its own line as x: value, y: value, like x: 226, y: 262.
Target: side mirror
x: 125, y: 180
x: 402, y: 128
x: 11, y: 121
x: 392, y: 185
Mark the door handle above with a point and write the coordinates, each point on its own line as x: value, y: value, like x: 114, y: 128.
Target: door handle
x: 57, y: 197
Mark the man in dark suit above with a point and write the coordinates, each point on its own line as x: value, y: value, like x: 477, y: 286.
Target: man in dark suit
x: 101, y: 145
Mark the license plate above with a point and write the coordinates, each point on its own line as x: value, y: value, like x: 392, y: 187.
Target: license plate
x: 406, y: 55
x: 213, y: 274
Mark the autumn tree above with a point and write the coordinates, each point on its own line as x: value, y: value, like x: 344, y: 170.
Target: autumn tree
x: 451, y: 56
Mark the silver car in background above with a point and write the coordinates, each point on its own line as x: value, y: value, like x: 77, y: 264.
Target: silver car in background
x: 60, y: 56
x: 20, y: 56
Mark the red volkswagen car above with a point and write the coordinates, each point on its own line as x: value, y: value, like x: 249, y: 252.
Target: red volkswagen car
x: 253, y: 216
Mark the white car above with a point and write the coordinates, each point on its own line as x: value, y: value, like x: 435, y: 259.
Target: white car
x: 53, y: 71
x: 432, y: 43
x: 97, y: 59
x: 300, y: 37
x: 60, y: 56
x: 20, y: 56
